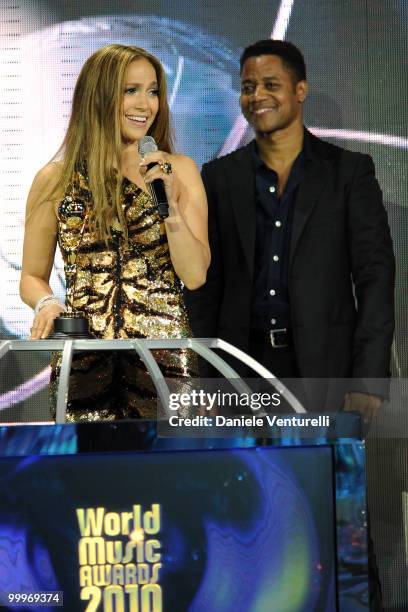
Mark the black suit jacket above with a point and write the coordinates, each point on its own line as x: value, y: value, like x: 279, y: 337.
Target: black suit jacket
x: 341, y: 265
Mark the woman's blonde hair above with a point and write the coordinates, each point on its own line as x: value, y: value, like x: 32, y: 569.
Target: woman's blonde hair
x: 94, y: 137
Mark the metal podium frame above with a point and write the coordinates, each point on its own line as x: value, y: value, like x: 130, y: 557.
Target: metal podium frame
x: 143, y: 347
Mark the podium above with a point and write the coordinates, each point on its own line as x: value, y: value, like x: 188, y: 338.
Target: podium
x: 115, y: 516
x: 204, y: 347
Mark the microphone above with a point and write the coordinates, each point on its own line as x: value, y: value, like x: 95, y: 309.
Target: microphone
x: 147, y: 145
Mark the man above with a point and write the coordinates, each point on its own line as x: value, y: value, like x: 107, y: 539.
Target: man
x: 302, y: 271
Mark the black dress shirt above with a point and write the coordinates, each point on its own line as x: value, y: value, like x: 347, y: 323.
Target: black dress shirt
x: 274, y: 212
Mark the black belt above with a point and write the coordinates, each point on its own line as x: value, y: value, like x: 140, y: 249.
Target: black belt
x: 278, y: 338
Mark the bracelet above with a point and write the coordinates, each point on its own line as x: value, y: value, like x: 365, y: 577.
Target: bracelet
x: 46, y: 300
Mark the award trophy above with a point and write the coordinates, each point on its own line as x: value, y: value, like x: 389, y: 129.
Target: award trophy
x: 72, y: 323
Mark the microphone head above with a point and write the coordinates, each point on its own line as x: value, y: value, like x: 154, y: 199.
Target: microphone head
x: 147, y: 145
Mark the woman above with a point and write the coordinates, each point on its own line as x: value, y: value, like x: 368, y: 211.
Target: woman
x: 122, y: 263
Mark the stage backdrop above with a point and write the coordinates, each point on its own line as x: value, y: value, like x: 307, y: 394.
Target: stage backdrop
x: 356, y: 57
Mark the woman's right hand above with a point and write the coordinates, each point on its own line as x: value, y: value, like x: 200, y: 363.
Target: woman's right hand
x: 43, y: 323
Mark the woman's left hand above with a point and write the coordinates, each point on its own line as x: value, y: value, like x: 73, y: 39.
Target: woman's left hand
x: 162, y: 170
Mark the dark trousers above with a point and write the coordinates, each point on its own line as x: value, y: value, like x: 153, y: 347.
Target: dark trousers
x: 374, y: 584
x: 283, y: 364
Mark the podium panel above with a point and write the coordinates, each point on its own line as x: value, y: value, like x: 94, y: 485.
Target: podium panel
x: 197, y: 525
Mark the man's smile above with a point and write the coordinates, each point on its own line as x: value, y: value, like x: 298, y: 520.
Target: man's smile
x: 261, y: 111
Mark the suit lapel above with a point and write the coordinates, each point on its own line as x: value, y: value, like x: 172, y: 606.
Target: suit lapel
x: 310, y: 189
x: 241, y: 183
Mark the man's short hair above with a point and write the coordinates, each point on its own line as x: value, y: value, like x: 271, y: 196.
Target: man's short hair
x: 290, y: 55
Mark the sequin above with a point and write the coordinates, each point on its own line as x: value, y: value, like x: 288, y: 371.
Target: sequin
x: 127, y: 291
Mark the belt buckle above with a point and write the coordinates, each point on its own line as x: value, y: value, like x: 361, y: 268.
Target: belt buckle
x: 275, y: 340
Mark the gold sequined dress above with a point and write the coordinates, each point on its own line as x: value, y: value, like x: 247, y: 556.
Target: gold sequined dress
x: 127, y: 290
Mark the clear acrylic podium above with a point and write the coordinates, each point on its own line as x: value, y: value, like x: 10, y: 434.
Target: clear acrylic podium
x: 204, y: 347
x: 312, y: 491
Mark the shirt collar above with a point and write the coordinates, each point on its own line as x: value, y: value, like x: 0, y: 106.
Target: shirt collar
x: 307, y: 145
x: 306, y: 151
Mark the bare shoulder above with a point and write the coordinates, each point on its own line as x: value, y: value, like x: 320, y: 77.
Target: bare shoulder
x: 43, y: 188
x: 184, y: 165
x: 48, y: 175
x: 44, y: 184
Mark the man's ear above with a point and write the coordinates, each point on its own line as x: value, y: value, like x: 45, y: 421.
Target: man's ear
x: 301, y: 90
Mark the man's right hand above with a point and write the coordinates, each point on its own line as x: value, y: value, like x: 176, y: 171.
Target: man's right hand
x: 364, y: 403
